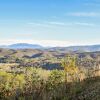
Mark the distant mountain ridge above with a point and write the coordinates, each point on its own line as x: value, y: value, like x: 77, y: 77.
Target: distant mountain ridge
x: 22, y: 46
x: 87, y: 48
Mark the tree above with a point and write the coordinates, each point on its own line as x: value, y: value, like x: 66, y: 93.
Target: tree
x: 70, y: 68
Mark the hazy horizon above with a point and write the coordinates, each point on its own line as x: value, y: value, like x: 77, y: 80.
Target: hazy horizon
x: 43, y: 43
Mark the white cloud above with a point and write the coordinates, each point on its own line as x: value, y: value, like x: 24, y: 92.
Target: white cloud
x: 57, y: 23
x: 84, y: 14
x: 48, y: 24
x: 53, y: 43
x: 84, y: 24
x: 60, y: 24
x: 39, y: 24
x: 41, y: 42
x: 93, y: 3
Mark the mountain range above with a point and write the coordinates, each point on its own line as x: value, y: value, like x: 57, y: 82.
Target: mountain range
x: 22, y: 46
x: 87, y: 48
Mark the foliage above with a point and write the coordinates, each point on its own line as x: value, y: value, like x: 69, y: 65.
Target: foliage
x: 70, y: 68
x: 29, y: 83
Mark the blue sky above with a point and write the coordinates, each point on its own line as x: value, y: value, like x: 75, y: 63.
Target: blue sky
x: 50, y: 22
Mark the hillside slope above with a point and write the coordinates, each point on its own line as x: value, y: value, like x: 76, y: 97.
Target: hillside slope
x: 90, y: 91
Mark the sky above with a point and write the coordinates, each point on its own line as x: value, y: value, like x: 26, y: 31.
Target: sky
x: 50, y: 22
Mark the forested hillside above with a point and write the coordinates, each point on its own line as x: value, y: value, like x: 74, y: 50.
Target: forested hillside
x: 75, y: 80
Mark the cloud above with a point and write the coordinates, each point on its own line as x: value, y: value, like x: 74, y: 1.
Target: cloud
x: 38, y: 24
x: 83, y: 14
x: 56, y: 23
x: 61, y: 24
x: 40, y: 42
x: 53, y: 43
x: 92, y: 4
x: 49, y: 24
x: 84, y: 24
